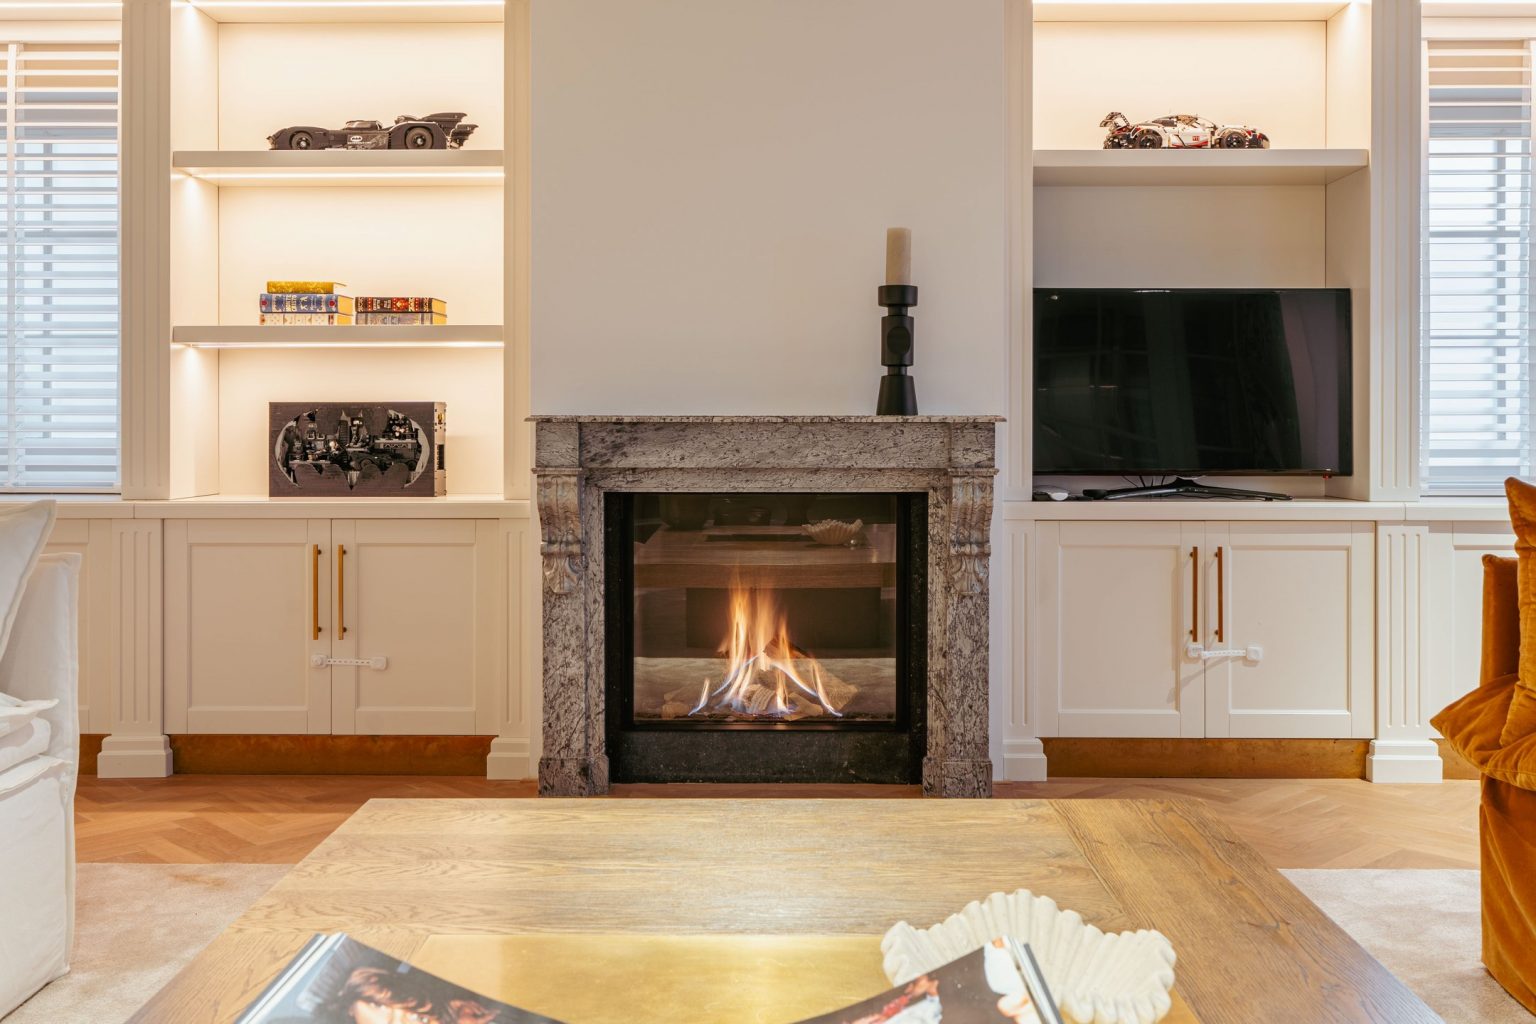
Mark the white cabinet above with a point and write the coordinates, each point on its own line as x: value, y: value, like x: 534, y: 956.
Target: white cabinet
x: 1138, y: 623
x: 1303, y: 594
x: 1115, y: 606
x: 425, y: 595
x: 257, y: 611
x: 246, y: 604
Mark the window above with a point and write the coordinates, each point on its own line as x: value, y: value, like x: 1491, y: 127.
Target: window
x: 59, y: 258
x: 1477, y: 330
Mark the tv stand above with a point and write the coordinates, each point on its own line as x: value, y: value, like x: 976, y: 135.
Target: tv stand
x: 1179, y: 487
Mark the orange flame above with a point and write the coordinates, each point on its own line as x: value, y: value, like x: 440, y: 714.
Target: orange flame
x: 766, y: 675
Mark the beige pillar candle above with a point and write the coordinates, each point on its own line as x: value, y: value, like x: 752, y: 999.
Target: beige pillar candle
x: 898, y: 256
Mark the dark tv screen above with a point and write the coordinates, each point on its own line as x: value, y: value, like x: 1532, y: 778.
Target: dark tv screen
x: 1162, y: 382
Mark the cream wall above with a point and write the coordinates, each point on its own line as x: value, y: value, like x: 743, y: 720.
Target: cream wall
x: 712, y: 180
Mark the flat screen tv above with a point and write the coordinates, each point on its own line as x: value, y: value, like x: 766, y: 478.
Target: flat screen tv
x: 1151, y: 382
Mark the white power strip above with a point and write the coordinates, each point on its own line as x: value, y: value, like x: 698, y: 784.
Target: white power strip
x: 378, y: 664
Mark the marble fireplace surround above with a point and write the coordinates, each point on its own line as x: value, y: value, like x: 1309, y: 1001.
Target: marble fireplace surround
x: 951, y: 458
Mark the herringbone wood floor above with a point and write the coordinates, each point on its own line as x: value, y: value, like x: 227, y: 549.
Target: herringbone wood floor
x: 1315, y: 823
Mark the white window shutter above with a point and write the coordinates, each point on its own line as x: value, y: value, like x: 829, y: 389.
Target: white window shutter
x: 59, y: 419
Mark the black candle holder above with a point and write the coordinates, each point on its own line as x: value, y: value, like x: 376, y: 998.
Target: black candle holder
x: 898, y: 393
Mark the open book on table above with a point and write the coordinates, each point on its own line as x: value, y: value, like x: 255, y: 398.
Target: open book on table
x: 337, y: 980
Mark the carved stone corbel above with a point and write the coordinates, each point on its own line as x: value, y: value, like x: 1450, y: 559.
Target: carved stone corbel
x: 558, y: 493
x: 970, y: 530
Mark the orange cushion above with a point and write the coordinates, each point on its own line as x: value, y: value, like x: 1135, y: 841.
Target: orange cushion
x: 1474, y: 725
x: 1522, y: 514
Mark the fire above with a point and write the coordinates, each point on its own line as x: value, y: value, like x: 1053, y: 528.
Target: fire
x: 766, y: 675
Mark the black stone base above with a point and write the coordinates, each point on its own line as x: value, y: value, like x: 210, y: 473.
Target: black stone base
x: 759, y: 755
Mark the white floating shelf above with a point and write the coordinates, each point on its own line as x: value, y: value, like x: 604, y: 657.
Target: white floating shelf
x: 1196, y: 166
x: 347, y: 336
x: 340, y: 11
x: 1188, y: 10
x: 310, y: 168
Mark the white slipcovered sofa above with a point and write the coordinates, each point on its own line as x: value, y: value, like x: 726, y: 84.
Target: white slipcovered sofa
x: 39, y: 761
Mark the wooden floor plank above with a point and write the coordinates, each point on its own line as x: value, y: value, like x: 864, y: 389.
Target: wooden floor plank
x: 1315, y: 823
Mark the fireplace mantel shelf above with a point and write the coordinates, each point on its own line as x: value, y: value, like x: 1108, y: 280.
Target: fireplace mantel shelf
x: 570, y: 418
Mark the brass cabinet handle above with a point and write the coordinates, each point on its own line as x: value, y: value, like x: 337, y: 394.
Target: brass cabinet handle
x: 1221, y: 611
x: 341, y: 591
x: 314, y: 593
x: 1194, y: 578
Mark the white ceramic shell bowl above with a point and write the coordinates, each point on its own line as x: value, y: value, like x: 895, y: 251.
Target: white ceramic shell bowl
x: 834, y: 531
x: 1096, y: 978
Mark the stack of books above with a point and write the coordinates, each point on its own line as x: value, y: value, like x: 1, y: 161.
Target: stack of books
x: 399, y: 310
x: 305, y: 303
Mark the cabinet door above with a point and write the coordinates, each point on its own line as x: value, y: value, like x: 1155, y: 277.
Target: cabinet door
x: 429, y: 596
x: 1305, y: 594
x: 1116, y: 609
x: 240, y: 625
x: 92, y: 540
x: 1453, y: 622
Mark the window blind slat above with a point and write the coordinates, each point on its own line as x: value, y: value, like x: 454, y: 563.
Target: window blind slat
x: 59, y: 329
x: 1478, y: 229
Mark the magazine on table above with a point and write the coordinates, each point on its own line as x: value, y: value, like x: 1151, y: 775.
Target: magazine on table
x: 338, y: 980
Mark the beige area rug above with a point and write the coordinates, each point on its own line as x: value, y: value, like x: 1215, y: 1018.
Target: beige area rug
x: 1424, y: 926
x: 136, y: 925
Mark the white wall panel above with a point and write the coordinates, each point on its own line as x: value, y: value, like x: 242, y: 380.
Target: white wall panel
x: 712, y: 181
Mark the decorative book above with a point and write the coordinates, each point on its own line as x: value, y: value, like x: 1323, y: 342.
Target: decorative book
x: 303, y: 287
x: 402, y: 319
x: 335, y: 978
x: 304, y: 319
x: 401, y: 304
x: 356, y: 449
x: 306, y: 302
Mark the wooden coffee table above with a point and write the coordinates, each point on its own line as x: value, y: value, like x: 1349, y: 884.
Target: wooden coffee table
x: 547, y: 903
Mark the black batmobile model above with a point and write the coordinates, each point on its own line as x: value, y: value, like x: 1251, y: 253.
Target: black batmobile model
x: 435, y: 131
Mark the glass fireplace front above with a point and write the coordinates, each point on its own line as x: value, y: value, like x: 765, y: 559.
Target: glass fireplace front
x: 746, y: 627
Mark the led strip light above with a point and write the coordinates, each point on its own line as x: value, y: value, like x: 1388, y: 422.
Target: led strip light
x: 221, y: 5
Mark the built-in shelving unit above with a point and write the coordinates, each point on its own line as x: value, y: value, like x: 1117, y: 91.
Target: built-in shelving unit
x: 1128, y: 167
x: 1296, y: 215
x: 378, y: 222
x: 344, y: 167
x: 346, y: 336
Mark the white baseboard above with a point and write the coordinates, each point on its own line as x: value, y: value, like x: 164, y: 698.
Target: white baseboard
x: 1023, y: 760
x: 1404, y: 761
x: 134, y: 757
x: 511, y: 759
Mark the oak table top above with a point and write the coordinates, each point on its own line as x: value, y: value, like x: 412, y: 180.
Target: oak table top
x: 417, y: 877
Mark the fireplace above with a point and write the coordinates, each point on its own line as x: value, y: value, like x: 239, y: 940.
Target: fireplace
x: 766, y: 637
x: 765, y: 598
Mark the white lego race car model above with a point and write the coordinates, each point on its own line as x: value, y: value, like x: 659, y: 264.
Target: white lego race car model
x: 1179, y: 131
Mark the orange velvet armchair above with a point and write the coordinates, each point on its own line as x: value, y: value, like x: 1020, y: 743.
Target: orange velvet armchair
x: 1476, y: 727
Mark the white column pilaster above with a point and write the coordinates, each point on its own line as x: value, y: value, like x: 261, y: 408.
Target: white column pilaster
x: 1404, y: 749
x: 1396, y: 172
x: 146, y: 248
x: 137, y: 747
x: 515, y: 750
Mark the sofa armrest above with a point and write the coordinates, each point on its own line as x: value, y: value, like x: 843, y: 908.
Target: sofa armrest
x: 1501, y: 618
x: 41, y: 661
